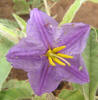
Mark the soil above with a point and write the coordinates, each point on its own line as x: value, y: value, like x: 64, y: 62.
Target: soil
x: 6, y: 9
x: 88, y: 13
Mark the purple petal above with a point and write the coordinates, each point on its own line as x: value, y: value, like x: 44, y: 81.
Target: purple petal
x: 26, y: 55
x: 74, y: 36
x: 39, y: 27
x: 45, y: 79
x: 76, y: 73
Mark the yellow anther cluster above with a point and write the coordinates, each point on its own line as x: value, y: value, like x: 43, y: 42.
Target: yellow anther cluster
x: 53, y: 56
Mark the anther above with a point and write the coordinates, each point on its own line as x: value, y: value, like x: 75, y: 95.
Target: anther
x: 53, y: 56
x: 57, y: 49
x: 64, y: 60
x: 58, y: 61
x: 65, y: 56
x: 51, y: 61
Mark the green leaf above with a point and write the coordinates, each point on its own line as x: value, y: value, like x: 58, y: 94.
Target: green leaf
x: 55, y: 0
x: 71, y: 95
x: 5, y: 69
x: 20, y: 22
x: 4, y: 65
x: 9, y: 23
x: 43, y: 97
x: 91, y: 58
x: 30, y: 2
x: 69, y: 15
x: 22, y: 25
x: 7, y: 30
x: 16, y: 90
x: 8, y: 33
x: 21, y: 7
x: 76, y: 86
x: 95, y: 1
x: 37, y: 3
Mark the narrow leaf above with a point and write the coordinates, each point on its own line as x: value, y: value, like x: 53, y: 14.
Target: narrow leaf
x: 95, y: 1
x: 4, y: 70
x: 43, y: 97
x: 16, y: 90
x: 20, y: 22
x: 71, y: 95
x: 4, y: 65
x: 9, y: 23
x: 91, y: 59
x: 46, y: 7
x: 69, y: 15
x: 8, y: 33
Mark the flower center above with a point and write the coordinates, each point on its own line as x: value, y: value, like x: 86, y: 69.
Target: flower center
x: 54, y: 56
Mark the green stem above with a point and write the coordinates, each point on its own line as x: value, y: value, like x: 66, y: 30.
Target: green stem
x: 46, y: 7
x: 70, y: 14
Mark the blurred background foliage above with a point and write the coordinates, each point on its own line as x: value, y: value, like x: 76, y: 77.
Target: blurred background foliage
x: 24, y: 6
x: 17, y: 87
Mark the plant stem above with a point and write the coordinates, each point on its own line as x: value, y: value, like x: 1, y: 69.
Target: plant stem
x: 46, y: 7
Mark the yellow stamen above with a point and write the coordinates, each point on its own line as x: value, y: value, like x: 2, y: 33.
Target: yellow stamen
x: 58, y: 61
x: 49, y: 51
x: 51, y: 61
x: 65, y: 56
x: 64, y: 60
x: 59, y: 58
x: 59, y: 48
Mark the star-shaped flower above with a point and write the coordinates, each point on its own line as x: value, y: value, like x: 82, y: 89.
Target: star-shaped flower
x: 51, y: 53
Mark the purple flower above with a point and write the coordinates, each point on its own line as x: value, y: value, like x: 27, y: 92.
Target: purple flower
x: 51, y: 53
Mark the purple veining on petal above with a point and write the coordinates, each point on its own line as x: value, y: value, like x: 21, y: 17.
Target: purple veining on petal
x: 45, y: 79
x: 42, y: 29
x: 42, y: 33
x: 72, y: 73
x: 77, y: 74
x: 34, y: 32
x: 75, y: 37
x: 25, y: 55
x: 43, y: 76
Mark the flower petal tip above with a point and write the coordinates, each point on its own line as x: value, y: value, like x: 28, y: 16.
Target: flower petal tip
x: 86, y: 80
